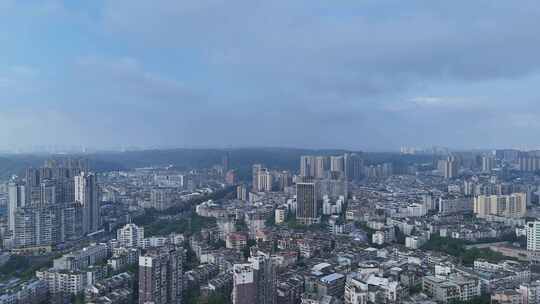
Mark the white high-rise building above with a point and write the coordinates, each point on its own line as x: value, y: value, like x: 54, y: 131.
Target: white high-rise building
x: 130, y: 235
x: 255, y: 175
x: 533, y: 236
x: 86, y: 195
x: 307, y: 165
x: 17, y: 199
x: 264, y: 181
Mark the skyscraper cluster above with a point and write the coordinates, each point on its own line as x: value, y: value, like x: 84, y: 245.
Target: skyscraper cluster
x: 322, y: 176
x: 529, y: 161
x: 348, y: 165
x: 55, y: 203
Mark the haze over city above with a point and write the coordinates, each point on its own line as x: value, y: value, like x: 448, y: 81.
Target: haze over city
x: 370, y: 75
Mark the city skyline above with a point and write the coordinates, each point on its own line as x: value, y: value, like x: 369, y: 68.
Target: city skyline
x: 269, y: 152
x: 368, y: 75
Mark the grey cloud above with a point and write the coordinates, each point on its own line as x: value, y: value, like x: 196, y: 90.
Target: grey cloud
x: 124, y: 81
x: 377, y: 73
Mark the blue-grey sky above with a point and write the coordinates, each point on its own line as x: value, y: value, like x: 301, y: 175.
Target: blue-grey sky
x: 358, y: 74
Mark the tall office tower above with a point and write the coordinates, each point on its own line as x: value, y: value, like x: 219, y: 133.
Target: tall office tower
x: 450, y: 167
x: 130, y: 235
x: 533, y: 236
x: 161, y: 277
x: 510, y: 206
x: 354, y: 166
x: 264, y: 181
x: 225, y: 161
x: 337, y: 163
x: 307, y: 202
x: 488, y: 163
x: 255, y: 282
x: 16, y: 197
x: 86, y: 196
x: 322, y: 165
x: 307, y: 165
x: 255, y: 176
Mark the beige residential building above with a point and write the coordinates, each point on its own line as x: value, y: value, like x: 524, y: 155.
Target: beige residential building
x: 512, y: 206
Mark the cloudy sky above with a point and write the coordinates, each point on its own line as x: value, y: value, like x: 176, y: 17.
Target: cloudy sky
x: 359, y: 74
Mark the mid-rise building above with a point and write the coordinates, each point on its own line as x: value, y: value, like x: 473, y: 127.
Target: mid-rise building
x: 162, y: 198
x: 82, y: 259
x: 451, y: 288
x: 360, y: 287
x: 280, y: 215
x: 65, y: 282
x: 236, y: 241
x: 130, y: 235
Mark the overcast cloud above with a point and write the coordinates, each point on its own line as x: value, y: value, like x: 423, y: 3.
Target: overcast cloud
x: 362, y: 74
